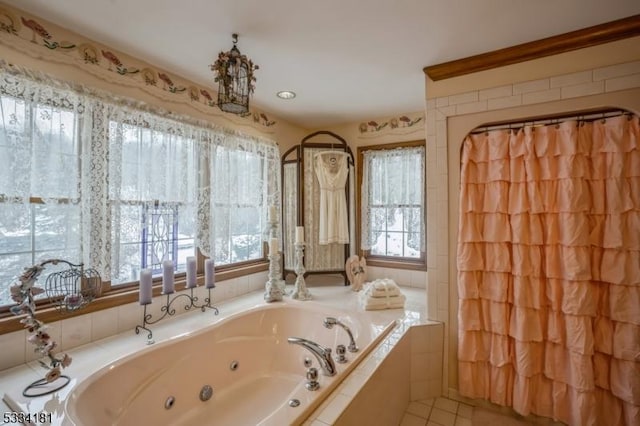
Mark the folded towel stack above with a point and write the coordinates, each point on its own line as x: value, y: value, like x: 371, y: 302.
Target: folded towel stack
x: 382, y: 294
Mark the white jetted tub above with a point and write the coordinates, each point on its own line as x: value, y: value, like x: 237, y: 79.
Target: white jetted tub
x: 246, y: 360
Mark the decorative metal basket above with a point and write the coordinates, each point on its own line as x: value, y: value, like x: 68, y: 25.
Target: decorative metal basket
x: 72, y: 288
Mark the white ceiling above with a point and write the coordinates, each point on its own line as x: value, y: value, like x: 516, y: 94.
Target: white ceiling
x: 348, y: 60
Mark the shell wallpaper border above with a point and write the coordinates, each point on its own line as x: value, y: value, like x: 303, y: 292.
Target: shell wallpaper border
x: 29, y: 29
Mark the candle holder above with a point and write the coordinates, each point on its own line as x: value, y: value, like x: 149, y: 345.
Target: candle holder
x: 273, y: 291
x: 300, y: 291
x: 275, y: 286
x: 166, y: 309
x: 278, y: 273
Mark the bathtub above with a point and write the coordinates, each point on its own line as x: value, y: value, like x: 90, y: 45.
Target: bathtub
x: 245, y: 358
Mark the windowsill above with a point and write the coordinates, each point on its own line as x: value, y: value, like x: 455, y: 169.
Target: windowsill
x: 401, y: 263
x: 117, y: 297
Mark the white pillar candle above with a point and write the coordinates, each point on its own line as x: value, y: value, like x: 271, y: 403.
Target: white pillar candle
x: 299, y: 234
x: 273, y: 214
x: 209, y: 274
x: 146, y: 287
x: 192, y: 266
x: 273, y: 246
x: 167, y: 277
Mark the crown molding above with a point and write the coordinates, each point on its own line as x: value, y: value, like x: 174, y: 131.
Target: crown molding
x: 574, y: 40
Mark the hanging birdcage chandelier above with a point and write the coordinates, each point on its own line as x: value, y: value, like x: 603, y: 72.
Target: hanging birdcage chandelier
x: 234, y: 73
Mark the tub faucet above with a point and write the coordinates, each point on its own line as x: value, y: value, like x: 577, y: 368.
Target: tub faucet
x: 322, y: 354
x: 329, y: 322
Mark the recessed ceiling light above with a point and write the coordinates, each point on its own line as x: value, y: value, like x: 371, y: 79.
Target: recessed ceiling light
x: 286, y: 94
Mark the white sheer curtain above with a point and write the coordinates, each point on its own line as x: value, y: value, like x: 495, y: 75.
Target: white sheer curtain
x: 153, y: 191
x: 393, y: 201
x: 93, y: 178
x: 44, y: 143
x: 290, y: 219
x: 240, y: 181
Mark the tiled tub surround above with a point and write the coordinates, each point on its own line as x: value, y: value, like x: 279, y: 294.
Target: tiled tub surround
x: 406, y: 367
x: 83, y: 329
x: 269, y: 371
x: 91, y: 357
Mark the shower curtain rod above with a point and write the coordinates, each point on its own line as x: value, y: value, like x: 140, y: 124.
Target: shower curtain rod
x: 586, y: 117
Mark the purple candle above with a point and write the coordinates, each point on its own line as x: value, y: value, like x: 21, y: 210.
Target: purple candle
x: 209, y: 274
x: 146, y: 287
x: 191, y: 271
x: 167, y: 277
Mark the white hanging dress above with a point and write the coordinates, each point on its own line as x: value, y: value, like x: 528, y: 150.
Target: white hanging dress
x: 332, y: 170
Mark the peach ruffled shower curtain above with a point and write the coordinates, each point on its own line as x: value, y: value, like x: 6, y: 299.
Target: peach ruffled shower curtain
x: 549, y: 270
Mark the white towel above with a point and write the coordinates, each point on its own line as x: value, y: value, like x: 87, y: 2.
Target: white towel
x: 382, y: 294
x: 376, y: 303
x: 384, y: 287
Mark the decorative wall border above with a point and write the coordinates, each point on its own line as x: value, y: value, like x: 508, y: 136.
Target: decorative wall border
x: 398, y: 125
x: 92, y: 56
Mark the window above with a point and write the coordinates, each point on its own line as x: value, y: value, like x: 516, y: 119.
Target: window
x: 89, y: 180
x: 239, y: 197
x: 39, y: 192
x: 391, y: 199
x: 153, y: 180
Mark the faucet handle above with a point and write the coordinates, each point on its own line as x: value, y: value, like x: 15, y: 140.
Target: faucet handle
x: 341, y: 350
x: 312, y: 379
x: 307, y: 362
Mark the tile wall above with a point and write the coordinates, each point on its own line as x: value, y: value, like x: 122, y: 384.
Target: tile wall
x: 94, y: 326
x: 426, y: 361
x: 403, y: 277
x: 381, y: 387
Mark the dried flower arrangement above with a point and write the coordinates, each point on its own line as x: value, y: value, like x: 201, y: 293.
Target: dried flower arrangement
x: 23, y: 293
x: 227, y: 68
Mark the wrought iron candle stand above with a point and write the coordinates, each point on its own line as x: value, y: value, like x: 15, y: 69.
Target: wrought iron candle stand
x: 300, y: 291
x: 166, y: 309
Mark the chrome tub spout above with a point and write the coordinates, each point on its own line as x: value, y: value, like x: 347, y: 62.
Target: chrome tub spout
x: 322, y: 354
x: 329, y: 322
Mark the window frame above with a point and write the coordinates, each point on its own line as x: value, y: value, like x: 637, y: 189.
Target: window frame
x: 411, y: 263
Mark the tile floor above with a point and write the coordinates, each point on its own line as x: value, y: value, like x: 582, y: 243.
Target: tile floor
x: 437, y: 412
x: 447, y: 412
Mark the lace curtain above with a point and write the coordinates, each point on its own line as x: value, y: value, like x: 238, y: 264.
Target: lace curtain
x: 153, y: 191
x: 393, y: 197
x: 240, y: 196
x: 290, y: 219
x: 549, y: 270
x: 97, y: 163
x: 43, y: 146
